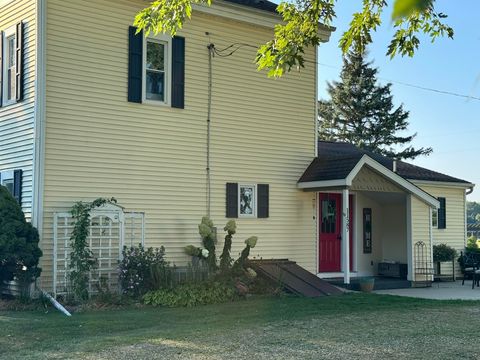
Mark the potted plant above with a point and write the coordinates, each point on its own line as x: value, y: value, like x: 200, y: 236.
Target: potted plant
x: 443, y: 253
x: 367, y: 284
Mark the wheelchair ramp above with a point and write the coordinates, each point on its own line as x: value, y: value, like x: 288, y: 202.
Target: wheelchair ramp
x: 294, y: 278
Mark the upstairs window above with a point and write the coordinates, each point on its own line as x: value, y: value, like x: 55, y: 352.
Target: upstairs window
x: 156, y: 68
x: 11, y: 65
x: 9, y: 87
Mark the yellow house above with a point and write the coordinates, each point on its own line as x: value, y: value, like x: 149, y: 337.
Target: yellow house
x: 179, y: 128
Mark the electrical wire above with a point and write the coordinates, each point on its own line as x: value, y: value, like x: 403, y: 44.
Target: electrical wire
x: 237, y: 46
x: 425, y: 88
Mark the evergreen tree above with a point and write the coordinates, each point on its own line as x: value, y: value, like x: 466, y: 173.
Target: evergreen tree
x: 361, y: 112
x: 19, y: 251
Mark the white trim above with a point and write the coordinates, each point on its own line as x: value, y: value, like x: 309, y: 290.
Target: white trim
x: 317, y: 230
x: 167, y: 42
x: 355, y: 245
x: 430, y: 237
x: 400, y: 181
x: 321, y: 184
x: 346, y: 236
x: 255, y: 202
x: 443, y: 183
x: 410, y: 259
x: 39, y: 113
x: 340, y: 274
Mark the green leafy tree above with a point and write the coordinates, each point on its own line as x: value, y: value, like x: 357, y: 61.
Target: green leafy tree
x: 473, y: 212
x: 19, y: 251
x: 300, y: 25
x: 361, y: 112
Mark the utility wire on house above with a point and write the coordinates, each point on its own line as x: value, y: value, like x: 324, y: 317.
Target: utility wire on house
x: 238, y: 46
x: 212, y: 52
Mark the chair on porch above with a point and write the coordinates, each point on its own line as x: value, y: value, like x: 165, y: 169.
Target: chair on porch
x: 470, y: 265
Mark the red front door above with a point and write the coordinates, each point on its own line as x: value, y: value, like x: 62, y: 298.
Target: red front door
x: 330, y: 232
x: 330, y: 250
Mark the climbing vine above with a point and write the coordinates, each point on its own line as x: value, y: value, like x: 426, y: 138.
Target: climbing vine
x: 82, y: 259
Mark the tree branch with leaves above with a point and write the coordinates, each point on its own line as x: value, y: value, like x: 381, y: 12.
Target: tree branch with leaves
x: 300, y: 23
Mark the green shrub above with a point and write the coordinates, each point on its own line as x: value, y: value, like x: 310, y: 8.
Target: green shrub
x: 443, y: 252
x: 472, y: 242
x: 189, y: 295
x: 136, y: 269
x: 207, y: 231
x: 19, y: 251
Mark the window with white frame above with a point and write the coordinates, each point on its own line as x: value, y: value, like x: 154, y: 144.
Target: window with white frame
x: 7, y: 180
x: 157, y: 70
x: 247, y: 200
x: 434, y: 218
x: 9, y: 66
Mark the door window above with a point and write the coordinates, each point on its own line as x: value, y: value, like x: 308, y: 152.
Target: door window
x: 329, y: 216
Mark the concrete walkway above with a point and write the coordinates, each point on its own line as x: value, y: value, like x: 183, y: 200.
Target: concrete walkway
x: 439, y: 291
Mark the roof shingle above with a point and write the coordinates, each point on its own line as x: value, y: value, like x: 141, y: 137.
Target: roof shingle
x: 336, y: 159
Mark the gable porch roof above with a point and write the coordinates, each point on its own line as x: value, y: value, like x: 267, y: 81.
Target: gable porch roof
x: 339, y: 172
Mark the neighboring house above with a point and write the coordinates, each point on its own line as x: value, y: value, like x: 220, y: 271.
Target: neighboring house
x: 99, y: 111
x: 473, y: 229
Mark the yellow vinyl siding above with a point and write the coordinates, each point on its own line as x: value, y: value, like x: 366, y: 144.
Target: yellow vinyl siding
x: 420, y: 232
x: 454, y: 235
x: 153, y: 158
x: 17, y: 120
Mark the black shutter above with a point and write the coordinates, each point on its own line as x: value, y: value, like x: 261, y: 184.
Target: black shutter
x: 19, y: 62
x: 17, y: 185
x: 1, y: 68
x: 178, y: 72
x: 135, y: 65
x: 263, y: 200
x: 442, y: 214
x: 232, y: 200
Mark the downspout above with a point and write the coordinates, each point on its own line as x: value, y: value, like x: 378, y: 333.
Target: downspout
x: 209, y: 112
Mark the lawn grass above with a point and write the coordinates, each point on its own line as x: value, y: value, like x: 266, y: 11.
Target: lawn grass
x: 349, y: 326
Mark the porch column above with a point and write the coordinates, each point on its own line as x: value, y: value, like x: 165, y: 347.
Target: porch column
x: 410, y: 259
x: 345, y: 237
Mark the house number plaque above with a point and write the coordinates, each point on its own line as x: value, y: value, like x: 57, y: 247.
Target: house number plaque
x: 367, y: 231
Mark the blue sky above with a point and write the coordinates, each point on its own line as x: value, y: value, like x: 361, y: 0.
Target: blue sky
x: 448, y: 124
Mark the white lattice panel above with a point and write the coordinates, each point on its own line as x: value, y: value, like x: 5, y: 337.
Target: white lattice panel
x: 109, y: 231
